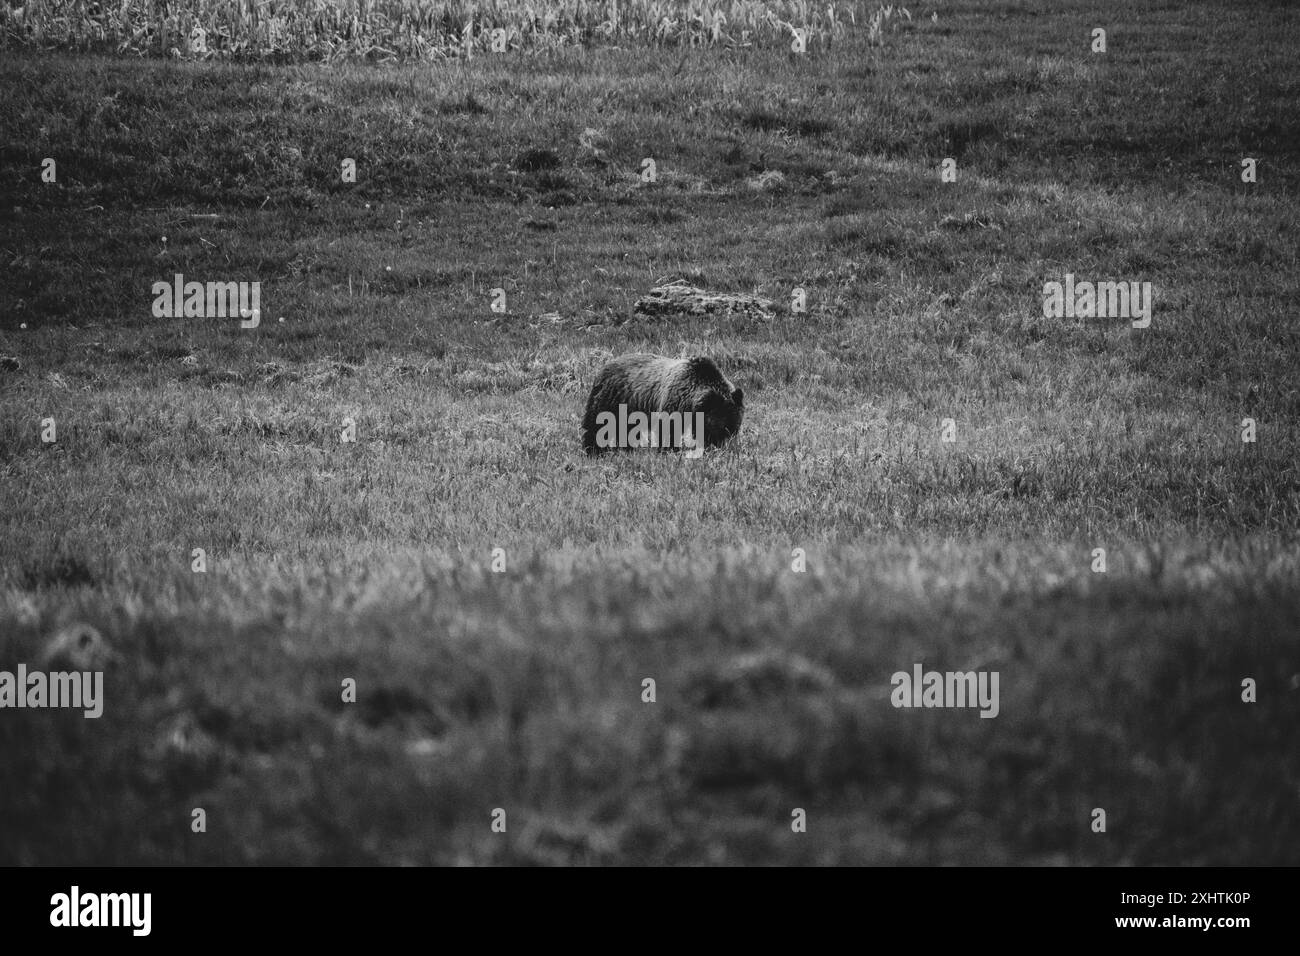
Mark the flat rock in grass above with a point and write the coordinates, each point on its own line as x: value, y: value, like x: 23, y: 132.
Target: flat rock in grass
x: 972, y: 220
x: 681, y: 299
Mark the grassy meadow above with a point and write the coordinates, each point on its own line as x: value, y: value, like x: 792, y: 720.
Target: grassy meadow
x: 522, y: 689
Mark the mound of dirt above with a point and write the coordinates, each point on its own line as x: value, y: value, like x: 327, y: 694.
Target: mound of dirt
x: 681, y: 299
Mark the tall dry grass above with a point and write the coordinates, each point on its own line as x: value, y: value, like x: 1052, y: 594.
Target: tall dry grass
x: 419, y: 29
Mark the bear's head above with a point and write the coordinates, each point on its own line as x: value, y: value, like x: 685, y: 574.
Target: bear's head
x: 722, y: 403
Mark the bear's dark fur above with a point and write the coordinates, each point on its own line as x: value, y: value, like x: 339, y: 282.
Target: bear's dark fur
x: 653, y: 383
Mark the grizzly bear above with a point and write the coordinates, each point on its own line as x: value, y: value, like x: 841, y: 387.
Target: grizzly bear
x: 676, y: 396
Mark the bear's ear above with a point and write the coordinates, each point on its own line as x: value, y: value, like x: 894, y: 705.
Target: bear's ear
x: 703, y: 367
x: 738, y: 395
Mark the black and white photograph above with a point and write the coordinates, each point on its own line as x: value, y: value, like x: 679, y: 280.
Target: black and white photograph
x: 650, y: 434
